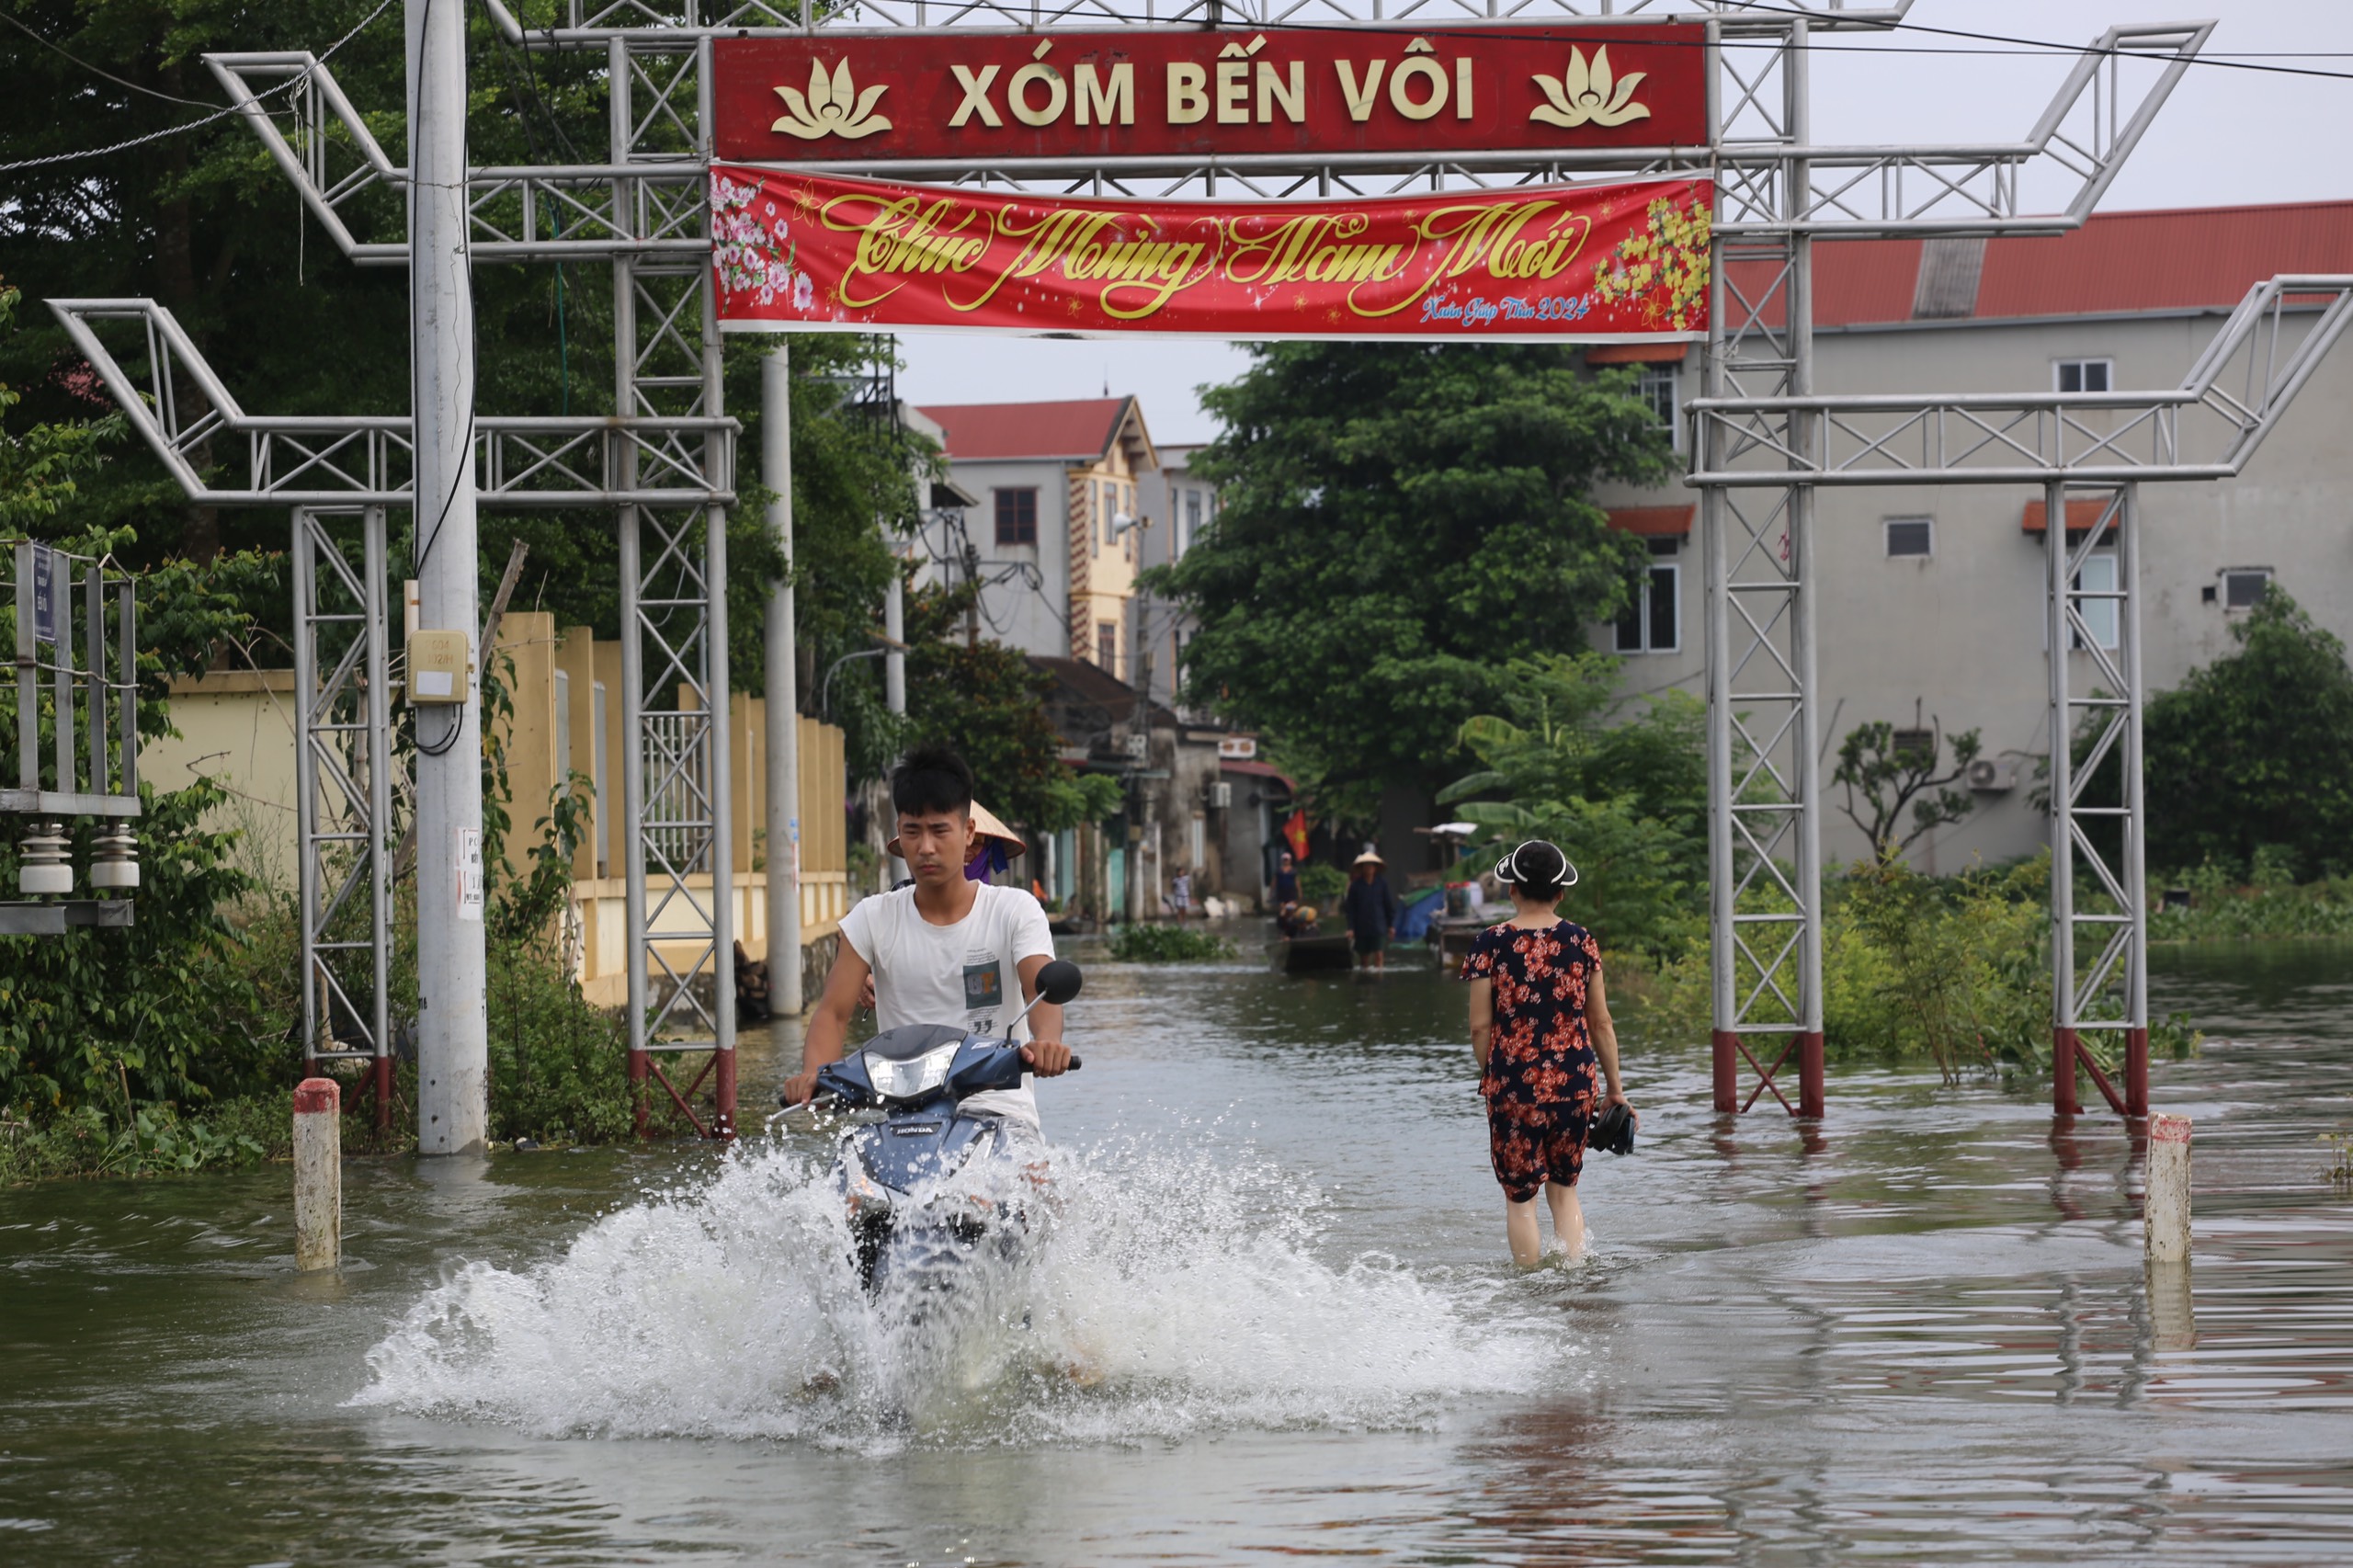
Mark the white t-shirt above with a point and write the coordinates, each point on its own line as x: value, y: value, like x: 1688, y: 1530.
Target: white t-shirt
x: 967, y: 975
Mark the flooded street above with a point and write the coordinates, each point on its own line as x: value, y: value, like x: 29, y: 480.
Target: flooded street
x: 1275, y: 1319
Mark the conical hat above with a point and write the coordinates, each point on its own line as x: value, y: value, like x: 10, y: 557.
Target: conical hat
x: 1368, y: 858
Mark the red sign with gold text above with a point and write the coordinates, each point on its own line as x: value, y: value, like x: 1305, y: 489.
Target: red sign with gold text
x: 1586, y: 263
x: 997, y: 96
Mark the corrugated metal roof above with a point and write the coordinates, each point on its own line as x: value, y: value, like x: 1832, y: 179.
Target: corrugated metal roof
x: 2177, y: 259
x: 1079, y: 431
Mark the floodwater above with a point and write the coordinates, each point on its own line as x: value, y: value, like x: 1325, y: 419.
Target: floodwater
x: 1273, y: 1320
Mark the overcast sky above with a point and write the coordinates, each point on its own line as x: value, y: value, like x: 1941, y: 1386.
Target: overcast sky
x: 2225, y: 136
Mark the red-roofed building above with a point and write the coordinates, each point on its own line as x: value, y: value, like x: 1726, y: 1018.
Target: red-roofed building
x: 1933, y: 595
x: 1073, y: 500
x: 1059, y: 486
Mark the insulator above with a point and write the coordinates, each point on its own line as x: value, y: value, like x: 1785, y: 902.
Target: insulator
x: 114, y: 859
x: 43, y: 867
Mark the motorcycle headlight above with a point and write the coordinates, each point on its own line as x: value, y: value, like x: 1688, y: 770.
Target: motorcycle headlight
x: 914, y: 1078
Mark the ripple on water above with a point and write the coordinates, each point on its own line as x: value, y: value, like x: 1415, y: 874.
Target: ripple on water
x: 1174, y: 1295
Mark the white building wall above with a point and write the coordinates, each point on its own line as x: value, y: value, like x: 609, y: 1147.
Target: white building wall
x: 1961, y: 630
x: 1029, y: 608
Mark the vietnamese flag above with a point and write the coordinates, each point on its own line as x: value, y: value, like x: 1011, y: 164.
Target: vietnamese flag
x: 1295, y: 834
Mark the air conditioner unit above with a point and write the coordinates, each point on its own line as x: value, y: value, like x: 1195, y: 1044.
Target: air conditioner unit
x: 1220, y: 796
x: 1993, y: 776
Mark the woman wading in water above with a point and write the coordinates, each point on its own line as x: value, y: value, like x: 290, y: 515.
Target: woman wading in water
x: 1539, y: 1027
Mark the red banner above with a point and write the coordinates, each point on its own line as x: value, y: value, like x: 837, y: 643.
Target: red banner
x: 993, y: 96
x: 1576, y: 263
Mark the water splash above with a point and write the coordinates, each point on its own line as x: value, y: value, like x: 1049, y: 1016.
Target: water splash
x: 1176, y: 1293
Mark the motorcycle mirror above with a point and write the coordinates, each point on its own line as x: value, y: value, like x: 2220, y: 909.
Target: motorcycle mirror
x: 1059, y: 982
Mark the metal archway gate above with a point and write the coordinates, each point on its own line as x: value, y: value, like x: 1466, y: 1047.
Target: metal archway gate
x: 1765, y: 439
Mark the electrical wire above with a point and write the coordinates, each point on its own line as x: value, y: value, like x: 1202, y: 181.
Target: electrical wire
x: 172, y: 131
x: 98, y: 70
x: 2016, y: 46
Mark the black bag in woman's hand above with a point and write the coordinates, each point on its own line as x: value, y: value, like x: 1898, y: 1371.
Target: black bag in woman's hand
x: 1615, y: 1131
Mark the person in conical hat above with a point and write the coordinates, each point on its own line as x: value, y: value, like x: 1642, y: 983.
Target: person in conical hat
x: 1370, y: 907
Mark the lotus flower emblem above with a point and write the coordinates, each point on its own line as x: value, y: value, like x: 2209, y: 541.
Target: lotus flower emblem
x: 836, y: 108
x: 1589, y: 97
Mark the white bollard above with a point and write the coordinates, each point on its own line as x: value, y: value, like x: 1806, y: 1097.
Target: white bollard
x: 2166, y: 1205
x: 318, y: 1174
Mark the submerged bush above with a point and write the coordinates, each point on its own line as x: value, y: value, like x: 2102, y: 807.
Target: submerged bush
x: 2271, y: 907
x: 1167, y: 944
x: 1955, y: 970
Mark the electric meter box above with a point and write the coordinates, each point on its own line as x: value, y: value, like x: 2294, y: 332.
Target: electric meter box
x: 438, y: 668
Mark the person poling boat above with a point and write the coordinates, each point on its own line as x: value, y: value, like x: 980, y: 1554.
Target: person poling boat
x: 1370, y: 909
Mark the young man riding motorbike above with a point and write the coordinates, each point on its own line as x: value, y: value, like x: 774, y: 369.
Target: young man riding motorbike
x: 943, y: 949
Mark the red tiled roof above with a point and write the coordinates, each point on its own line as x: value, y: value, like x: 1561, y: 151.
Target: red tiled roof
x: 1636, y: 353
x: 2182, y: 258
x: 980, y: 431
x: 2081, y: 515
x: 1651, y: 521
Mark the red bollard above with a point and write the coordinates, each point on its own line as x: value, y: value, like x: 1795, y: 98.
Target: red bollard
x: 318, y: 1174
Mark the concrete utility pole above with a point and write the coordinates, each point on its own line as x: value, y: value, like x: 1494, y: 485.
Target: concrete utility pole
x: 784, y: 691
x: 453, y: 1045
x: 895, y: 627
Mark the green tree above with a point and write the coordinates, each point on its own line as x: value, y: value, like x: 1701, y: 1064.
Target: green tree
x: 2255, y: 751
x: 201, y: 221
x: 1622, y: 787
x: 1398, y: 523
x: 1884, y: 769
x: 989, y: 703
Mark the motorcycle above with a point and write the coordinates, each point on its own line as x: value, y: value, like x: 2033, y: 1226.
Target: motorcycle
x: 927, y: 1185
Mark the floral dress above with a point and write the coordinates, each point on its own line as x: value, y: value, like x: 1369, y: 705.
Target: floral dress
x: 1542, y: 1082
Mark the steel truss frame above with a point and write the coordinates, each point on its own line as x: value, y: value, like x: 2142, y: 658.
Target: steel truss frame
x: 343, y: 776
x: 1777, y: 191
x: 2099, y: 445
x: 188, y: 415
x: 2110, y: 992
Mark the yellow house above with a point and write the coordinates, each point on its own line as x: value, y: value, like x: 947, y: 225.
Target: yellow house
x: 237, y: 728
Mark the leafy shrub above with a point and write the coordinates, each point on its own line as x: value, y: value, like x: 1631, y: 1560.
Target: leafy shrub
x: 2219, y: 911
x: 2255, y: 752
x: 1321, y: 885
x: 1955, y: 970
x: 1167, y: 944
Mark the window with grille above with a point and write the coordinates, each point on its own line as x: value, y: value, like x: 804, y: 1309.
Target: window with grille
x: 1910, y: 536
x: 1017, y: 517
x: 2244, y: 589
x: 2085, y: 375
x: 2097, y: 583
x: 1650, y: 627
x: 1107, y: 646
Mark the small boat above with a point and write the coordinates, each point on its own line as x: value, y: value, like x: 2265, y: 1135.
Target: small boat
x: 1310, y: 952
